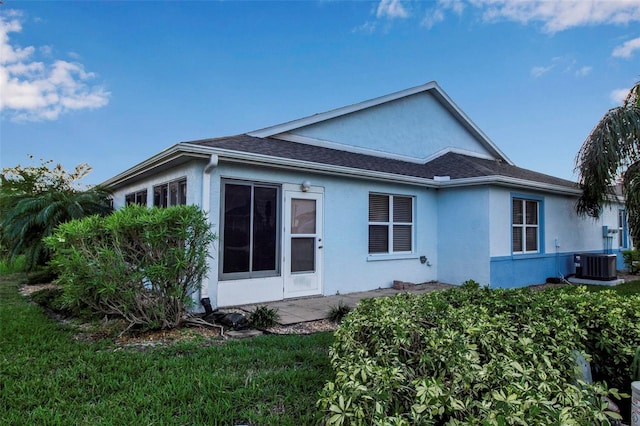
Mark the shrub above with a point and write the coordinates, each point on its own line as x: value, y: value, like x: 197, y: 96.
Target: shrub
x: 264, y: 317
x: 631, y: 260
x: 50, y: 298
x: 138, y: 264
x: 338, y: 312
x: 478, y: 356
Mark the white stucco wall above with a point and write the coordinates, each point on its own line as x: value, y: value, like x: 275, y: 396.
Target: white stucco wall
x: 463, y: 231
x: 416, y: 126
x: 347, y: 266
x: 191, y: 170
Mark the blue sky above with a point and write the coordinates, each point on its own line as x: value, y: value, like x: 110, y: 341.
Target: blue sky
x: 113, y: 83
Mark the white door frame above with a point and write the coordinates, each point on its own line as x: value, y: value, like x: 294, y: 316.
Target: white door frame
x: 306, y: 282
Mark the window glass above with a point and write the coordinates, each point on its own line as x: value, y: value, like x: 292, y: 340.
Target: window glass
x: 378, y: 208
x: 525, y: 232
x: 401, y: 237
x: 517, y: 239
x: 250, y: 230
x: 170, y: 194
x: 237, y: 228
x: 139, y: 197
x: 264, y: 229
x: 390, y: 224
x: 303, y: 216
x: 622, y: 228
x: 402, y: 209
x: 378, y: 239
x: 303, y: 254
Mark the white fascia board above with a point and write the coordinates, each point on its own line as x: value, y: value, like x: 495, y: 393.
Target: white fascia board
x: 469, y: 124
x: 328, y: 169
x: 511, y: 182
x: 198, y: 151
x: 157, y: 160
x: 456, y: 151
x: 290, y: 137
x: 293, y: 164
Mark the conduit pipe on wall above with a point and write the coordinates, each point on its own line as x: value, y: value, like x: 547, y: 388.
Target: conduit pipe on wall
x: 205, y: 301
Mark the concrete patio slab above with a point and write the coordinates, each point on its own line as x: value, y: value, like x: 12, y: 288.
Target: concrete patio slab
x: 293, y: 311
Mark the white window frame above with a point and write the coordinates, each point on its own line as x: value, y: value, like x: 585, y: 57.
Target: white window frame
x: 139, y: 197
x: 167, y: 185
x: 524, y: 226
x: 390, y: 223
x: 623, y: 236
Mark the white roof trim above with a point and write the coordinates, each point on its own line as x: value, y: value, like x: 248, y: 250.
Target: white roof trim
x: 457, y: 151
x: 290, y: 137
x: 163, y: 157
x: 251, y: 158
x: 199, y: 151
x: 512, y: 183
x: 432, y: 87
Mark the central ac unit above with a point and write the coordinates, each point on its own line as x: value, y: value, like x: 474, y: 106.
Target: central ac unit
x: 601, y: 267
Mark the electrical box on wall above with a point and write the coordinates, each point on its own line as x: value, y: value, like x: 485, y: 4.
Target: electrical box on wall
x: 608, y: 232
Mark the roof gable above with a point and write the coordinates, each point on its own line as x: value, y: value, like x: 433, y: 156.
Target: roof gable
x: 411, y: 125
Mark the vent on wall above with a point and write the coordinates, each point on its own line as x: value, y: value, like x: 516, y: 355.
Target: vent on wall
x: 593, y: 266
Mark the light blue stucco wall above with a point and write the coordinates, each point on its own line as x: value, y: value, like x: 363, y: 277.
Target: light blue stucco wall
x: 347, y: 265
x: 416, y: 126
x: 463, y: 231
x: 191, y: 170
x: 563, y: 233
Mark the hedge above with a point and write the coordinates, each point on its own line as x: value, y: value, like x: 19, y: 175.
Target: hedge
x: 139, y: 264
x: 471, y: 356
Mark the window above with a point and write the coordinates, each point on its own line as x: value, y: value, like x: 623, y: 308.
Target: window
x: 525, y: 225
x: 390, y: 224
x: 138, y: 197
x: 170, y: 194
x: 249, y: 230
x: 623, y: 240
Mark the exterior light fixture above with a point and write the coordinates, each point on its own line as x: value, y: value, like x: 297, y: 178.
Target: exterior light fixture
x: 305, y: 186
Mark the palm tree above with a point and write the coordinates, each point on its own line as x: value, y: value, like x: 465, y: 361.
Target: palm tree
x: 609, y: 156
x: 26, y: 218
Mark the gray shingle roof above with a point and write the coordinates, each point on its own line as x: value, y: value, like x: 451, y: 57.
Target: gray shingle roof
x: 454, y: 165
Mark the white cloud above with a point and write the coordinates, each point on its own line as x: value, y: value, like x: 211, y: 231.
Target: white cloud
x: 438, y: 13
x: 584, y: 71
x: 366, y: 28
x: 32, y: 90
x: 391, y: 9
x: 564, y: 64
x: 626, y: 49
x: 554, y: 15
x: 540, y: 71
x: 618, y: 96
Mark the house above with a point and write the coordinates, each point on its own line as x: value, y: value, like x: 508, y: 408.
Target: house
x: 400, y: 187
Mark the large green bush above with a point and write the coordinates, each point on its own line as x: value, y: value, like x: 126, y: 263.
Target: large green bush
x: 478, y: 356
x: 34, y: 200
x: 138, y: 264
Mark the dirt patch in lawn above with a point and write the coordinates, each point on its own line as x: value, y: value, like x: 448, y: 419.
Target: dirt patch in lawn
x: 111, y: 329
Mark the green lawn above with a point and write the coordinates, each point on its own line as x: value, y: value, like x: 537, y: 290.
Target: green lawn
x: 49, y: 378
x: 628, y: 288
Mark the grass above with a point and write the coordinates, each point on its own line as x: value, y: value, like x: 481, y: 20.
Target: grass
x: 10, y: 267
x: 49, y: 378
x: 626, y: 289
